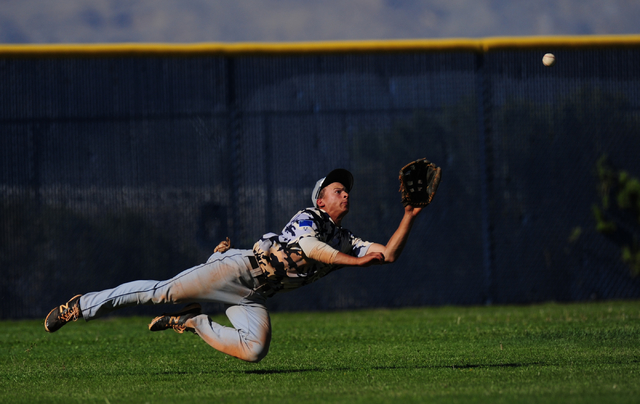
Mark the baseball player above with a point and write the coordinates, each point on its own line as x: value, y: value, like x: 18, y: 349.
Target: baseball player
x: 310, y: 246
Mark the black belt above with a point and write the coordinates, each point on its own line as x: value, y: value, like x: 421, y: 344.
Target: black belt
x: 253, y: 261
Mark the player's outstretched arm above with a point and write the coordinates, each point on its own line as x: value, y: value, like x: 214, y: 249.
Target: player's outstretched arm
x: 377, y: 253
x: 392, y: 250
x: 419, y: 181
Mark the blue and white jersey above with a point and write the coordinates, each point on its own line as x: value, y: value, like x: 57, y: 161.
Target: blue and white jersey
x: 282, y: 260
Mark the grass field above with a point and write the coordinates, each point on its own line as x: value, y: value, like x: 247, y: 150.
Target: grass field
x: 576, y: 353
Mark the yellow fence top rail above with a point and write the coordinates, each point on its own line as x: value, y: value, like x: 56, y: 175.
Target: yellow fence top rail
x: 300, y: 48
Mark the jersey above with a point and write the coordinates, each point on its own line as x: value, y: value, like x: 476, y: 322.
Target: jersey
x: 281, y: 258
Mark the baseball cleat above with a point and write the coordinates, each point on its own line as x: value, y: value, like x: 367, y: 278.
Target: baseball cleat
x: 176, y: 320
x: 62, y: 314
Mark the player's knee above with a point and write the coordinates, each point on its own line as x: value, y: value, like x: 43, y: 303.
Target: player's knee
x: 256, y: 353
x: 256, y: 349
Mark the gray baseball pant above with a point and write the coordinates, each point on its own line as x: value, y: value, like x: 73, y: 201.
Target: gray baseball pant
x: 224, y: 278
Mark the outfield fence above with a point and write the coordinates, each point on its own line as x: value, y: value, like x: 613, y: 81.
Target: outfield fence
x: 123, y: 162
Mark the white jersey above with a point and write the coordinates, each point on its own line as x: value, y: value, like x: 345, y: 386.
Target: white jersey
x: 281, y: 258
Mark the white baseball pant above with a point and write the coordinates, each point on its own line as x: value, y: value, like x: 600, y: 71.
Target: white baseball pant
x: 224, y: 278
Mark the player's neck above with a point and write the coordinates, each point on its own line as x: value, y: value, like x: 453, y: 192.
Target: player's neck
x: 336, y: 217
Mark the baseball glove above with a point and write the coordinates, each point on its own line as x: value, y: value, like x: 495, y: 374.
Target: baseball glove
x: 419, y: 182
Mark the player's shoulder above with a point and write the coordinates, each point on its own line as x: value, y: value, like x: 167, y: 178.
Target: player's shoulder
x: 309, y: 218
x: 313, y: 214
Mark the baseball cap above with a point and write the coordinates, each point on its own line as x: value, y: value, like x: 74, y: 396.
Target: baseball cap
x: 340, y: 175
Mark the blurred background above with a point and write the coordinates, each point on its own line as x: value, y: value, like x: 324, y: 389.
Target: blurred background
x: 120, y: 167
x: 93, y: 21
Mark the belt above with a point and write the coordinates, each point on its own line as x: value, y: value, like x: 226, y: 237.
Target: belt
x: 265, y: 286
x: 256, y: 271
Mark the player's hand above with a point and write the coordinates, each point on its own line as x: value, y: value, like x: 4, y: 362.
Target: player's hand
x: 374, y: 258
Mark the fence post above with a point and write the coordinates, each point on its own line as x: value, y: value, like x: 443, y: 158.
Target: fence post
x: 236, y: 230
x: 485, y: 153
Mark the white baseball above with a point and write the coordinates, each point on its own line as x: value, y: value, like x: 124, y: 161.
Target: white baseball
x: 548, y: 59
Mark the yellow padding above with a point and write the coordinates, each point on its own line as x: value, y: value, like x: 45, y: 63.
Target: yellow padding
x: 301, y: 48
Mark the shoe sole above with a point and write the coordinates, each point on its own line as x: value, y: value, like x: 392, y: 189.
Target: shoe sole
x: 193, y: 307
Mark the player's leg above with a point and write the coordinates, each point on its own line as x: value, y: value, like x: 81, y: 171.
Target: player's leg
x: 248, y: 339
x: 225, y: 278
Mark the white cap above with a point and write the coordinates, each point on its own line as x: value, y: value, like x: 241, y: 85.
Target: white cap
x: 340, y: 175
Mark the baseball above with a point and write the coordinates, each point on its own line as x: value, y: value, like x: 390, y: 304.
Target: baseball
x: 548, y: 59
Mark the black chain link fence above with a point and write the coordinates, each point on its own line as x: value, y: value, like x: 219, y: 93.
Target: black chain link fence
x: 120, y: 168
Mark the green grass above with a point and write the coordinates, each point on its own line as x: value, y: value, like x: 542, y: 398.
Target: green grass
x: 540, y: 353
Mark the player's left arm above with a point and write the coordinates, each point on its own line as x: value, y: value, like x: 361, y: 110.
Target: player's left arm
x: 392, y: 250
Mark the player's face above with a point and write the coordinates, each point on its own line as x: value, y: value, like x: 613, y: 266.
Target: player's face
x: 335, y: 201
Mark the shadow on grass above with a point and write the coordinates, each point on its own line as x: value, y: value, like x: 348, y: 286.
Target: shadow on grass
x: 495, y: 365
x: 279, y: 371
x: 342, y: 369
x: 346, y: 369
